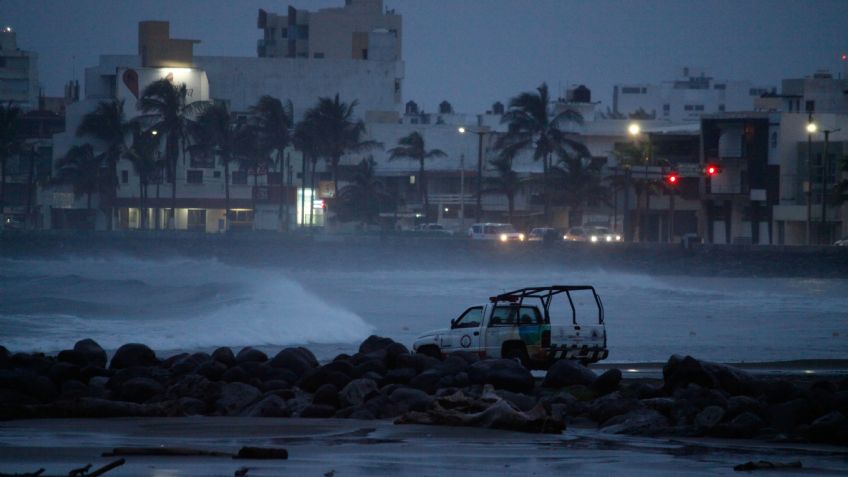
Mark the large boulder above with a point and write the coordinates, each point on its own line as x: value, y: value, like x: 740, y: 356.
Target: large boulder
x: 787, y: 416
x: 709, y: 417
x: 429, y: 381
x: 743, y: 426
x: 235, y: 397
x: 831, y: 428
x: 607, y: 382
x: 251, y: 355
x: 410, y: 399
x: 566, y: 372
x: 133, y: 355
x: 374, y: 343
x: 680, y: 372
x: 327, y: 395
x: 225, y: 356
x: 503, y: 374
x: 94, y: 354
x: 642, y: 422
x: 604, y: 408
x: 315, y: 378
x: 269, y: 406
x: 195, y: 386
x: 139, y: 390
x: 299, y: 360
x: 357, y: 392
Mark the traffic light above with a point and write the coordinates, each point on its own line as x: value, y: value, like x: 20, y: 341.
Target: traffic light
x: 711, y: 170
x: 672, y: 178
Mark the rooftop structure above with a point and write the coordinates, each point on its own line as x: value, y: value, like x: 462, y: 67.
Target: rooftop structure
x: 18, y: 72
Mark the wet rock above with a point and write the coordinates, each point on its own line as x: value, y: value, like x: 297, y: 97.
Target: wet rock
x: 318, y: 377
x: 236, y: 374
x: 709, y: 417
x: 275, y: 385
x: 192, y: 407
x: 327, y: 395
x: 235, y: 397
x: 566, y: 373
x: 607, y: 382
x: 91, y: 352
x: 458, y: 380
x: 251, y: 355
x: 170, y: 360
x: 371, y: 366
x: 225, y: 356
x: 194, y: 386
x: 374, y: 343
x: 138, y: 390
x: 679, y: 372
x: 410, y: 399
x: 393, y: 351
x: 357, y: 391
x: 428, y: 381
x: 604, y: 408
x: 299, y: 360
x: 745, y: 425
x: 344, y: 367
x: 269, y: 406
x: 133, y: 355
x: 213, y: 370
x: 419, y: 362
x: 39, y: 387
x: 400, y: 375
x: 189, y: 364
x: 501, y: 373
x: 641, y: 422
x: 318, y: 411
x: 780, y: 390
x: 663, y: 405
x: 5, y: 357
x: 521, y: 402
x: 785, y: 417
x: 831, y: 428
x: 63, y: 371
x: 73, y: 389
x: 736, y: 405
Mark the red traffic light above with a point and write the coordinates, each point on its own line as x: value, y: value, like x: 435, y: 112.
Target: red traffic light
x: 672, y: 178
x: 712, y: 170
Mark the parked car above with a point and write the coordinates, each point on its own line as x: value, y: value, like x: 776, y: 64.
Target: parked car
x: 493, y: 231
x: 433, y: 228
x: 602, y: 235
x: 543, y: 233
x: 522, y: 325
x: 575, y: 234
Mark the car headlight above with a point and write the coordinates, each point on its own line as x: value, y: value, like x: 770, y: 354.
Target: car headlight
x: 504, y: 238
x: 521, y: 237
x: 618, y: 238
x: 593, y: 238
x: 565, y: 237
x: 608, y: 238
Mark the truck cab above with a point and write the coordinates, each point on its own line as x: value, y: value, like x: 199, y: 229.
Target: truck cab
x: 523, y: 325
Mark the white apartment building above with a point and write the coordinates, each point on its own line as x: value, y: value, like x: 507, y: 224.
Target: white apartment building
x: 18, y: 72
x: 687, y: 97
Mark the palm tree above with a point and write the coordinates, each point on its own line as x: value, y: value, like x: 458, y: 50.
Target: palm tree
x: 273, y: 122
x: 506, y: 182
x: 250, y: 154
x: 83, y: 169
x: 361, y: 199
x: 578, y: 183
x: 214, y: 135
x: 142, y: 155
x: 630, y: 155
x: 108, y: 126
x: 166, y: 104
x: 305, y: 139
x: 9, y: 145
x: 412, y: 147
x: 533, y: 126
x: 338, y: 131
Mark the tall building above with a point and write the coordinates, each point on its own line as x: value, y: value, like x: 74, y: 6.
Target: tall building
x: 360, y: 30
x: 686, y: 98
x: 18, y: 72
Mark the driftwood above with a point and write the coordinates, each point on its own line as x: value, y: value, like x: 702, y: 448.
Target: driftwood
x: 766, y: 465
x: 164, y: 451
x: 262, y: 453
x: 75, y: 472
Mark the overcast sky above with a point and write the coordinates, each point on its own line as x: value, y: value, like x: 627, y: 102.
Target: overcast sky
x: 475, y: 52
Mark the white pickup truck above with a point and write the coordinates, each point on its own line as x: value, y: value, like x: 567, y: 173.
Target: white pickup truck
x: 519, y: 325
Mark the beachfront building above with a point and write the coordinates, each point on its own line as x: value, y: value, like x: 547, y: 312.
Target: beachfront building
x: 276, y: 199
x: 18, y: 72
x: 687, y: 97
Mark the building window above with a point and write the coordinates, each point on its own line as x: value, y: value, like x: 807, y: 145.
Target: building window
x: 216, y: 174
x: 284, y: 32
x: 632, y: 90
x: 666, y: 109
x: 302, y: 32
x: 194, y: 177
x: 318, y: 55
x: 125, y: 177
x: 238, y: 177
x: 757, y: 91
x: 720, y: 86
x: 721, y: 107
x: 365, y: 53
x: 810, y: 106
x: 275, y: 178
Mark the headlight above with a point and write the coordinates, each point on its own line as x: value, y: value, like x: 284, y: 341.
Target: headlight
x: 608, y: 238
x: 565, y: 237
x: 504, y: 238
x: 618, y: 238
x: 593, y: 238
x: 521, y: 237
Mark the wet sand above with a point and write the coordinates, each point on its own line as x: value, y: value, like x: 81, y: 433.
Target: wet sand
x: 370, y: 448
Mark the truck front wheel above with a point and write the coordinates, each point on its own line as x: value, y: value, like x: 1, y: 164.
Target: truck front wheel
x: 431, y: 351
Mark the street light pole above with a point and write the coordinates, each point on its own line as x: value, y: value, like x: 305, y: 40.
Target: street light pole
x: 811, y: 128
x: 462, y: 192
x: 479, y: 213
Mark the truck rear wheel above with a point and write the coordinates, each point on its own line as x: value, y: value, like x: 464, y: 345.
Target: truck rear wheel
x: 518, y: 353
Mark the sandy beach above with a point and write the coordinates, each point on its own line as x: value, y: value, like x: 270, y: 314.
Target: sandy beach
x: 345, y: 447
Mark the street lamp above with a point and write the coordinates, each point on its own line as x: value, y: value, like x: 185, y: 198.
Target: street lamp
x: 480, y: 132
x: 811, y: 129
x: 634, y: 129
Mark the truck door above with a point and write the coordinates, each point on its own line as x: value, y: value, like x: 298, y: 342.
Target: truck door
x: 509, y: 322
x: 465, y: 332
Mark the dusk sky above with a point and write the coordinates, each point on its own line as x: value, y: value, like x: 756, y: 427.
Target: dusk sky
x: 475, y: 52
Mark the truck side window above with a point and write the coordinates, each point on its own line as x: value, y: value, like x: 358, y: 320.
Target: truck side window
x: 503, y: 315
x: 471, y: 318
